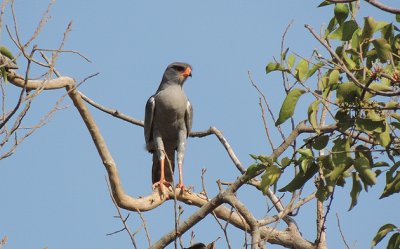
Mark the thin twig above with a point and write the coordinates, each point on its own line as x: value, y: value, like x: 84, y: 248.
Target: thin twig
x: 341, y: 232
x: 120, y: 215
x: 223, y: 228
x: 145, y: 227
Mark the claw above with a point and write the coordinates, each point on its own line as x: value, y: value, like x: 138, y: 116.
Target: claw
x: 181, y: 186
x: 160, y: 184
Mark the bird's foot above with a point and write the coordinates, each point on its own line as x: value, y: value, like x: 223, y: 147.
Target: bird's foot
x: 180, y: 185
x: 161, y: 184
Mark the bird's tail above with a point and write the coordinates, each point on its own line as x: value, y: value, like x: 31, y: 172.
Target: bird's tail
x: 168, y: 166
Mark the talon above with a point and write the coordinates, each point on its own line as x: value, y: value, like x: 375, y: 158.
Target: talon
x: 181, y: 186
x: 160, y: 184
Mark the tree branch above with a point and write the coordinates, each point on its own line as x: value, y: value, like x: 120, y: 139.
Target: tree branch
x: 153, y: 200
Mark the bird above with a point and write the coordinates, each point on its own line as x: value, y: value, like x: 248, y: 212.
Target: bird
x: 197, y: 246
x: 202, y: 246
x: 167, y: 124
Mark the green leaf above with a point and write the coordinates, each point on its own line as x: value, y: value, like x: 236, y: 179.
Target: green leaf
x: 355, y: 39
x: 314, y: 68
x: 285, y: 162
x: 370, y: 26
x: 255, y: 157
x: 320, y: 142
x: 253, y: 169
x: 334, y: 77
x: 4, y: 51
x: 363, y: 167
x: 395, y: 116
x: 384, y: 138
x: 345, y: 31
x: 344, y: 119
x: 355, y: 190
x: 387, y: 31
x: 325, y: 162
x: 340, y: 157
x: 305, y: 165
x: 397, y: 17
x: 395, y: 125
x: 312, y: 115
x: 301, y: 70
x: 331, y: 26
x: 307, y: 153
x: 289, y: 105
x: 284, y: 54
x: 270, y: 177
x: 272, y: 66
x: 348, y: 93
x: 392, y: 185
x: 383, y: 49
x: 290, y: 61
x: 369, y: 125
x: 300, y: 179
x: 325, y: 3
x: 382, y: 232
x: 377, y: 87
x: 392, y: 104
x: 380, y: 164
x: 322, y: 193
x: 394, y: 241
x: 364, y: 151
x: 349, y: 62
x: 341, y: 12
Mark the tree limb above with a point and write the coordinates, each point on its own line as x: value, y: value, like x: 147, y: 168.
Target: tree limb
x: 374, y: 3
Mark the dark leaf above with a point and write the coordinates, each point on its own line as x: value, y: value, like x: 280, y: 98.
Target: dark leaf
x: 382, y: 232
x: 355, y: 190
x: 394, y: 241
x: 300, y: 179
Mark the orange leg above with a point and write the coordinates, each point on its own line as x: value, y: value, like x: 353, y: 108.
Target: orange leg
x: 162, y: 180
x: 180, y: 184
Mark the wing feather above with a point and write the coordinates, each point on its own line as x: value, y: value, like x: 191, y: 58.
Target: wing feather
x: 189, y: 117
x: 148, y: 120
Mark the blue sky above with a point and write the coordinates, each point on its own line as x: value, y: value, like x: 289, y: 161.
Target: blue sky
x: 53, y: 191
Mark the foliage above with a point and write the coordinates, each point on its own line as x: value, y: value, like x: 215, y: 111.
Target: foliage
x: 355, y: 89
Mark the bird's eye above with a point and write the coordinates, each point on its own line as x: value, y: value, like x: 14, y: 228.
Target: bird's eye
x: 179, y: 68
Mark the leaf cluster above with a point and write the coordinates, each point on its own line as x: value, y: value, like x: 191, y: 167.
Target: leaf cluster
x: 356, y: 89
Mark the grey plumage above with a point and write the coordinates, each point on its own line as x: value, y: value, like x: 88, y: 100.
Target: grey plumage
x: 168, y: 121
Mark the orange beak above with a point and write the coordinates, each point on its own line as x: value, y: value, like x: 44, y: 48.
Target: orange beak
x: 187, y: 72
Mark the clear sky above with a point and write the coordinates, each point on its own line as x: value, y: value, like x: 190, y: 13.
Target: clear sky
x: 53, y: 191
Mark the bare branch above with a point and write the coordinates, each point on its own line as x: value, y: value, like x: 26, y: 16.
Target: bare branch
x: 250, y: 219
x: 341, y: 232
x: 123, y: 220
x: 374, y: 3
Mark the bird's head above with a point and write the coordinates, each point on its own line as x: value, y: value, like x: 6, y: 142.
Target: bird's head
x: 177, y: 72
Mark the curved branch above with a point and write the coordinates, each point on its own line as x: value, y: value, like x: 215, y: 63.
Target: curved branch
x: 383, y: 7
x: 374, y: 3
x: 285, y: 238
x: 49, y: 84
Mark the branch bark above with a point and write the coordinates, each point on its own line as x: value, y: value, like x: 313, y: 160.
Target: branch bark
x: 374, y: 3
x: 286, y: 238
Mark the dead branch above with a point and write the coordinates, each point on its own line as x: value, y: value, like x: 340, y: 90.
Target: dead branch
x: 123, y: 219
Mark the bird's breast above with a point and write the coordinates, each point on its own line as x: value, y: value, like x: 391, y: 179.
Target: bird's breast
x: 170, y: 110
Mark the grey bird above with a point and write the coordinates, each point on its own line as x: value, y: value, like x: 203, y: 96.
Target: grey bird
x: 167, y: 123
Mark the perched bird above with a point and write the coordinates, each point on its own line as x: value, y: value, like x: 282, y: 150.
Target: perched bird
x: 167, y: 123
x: 202, y: 246
x: 197, y: 246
